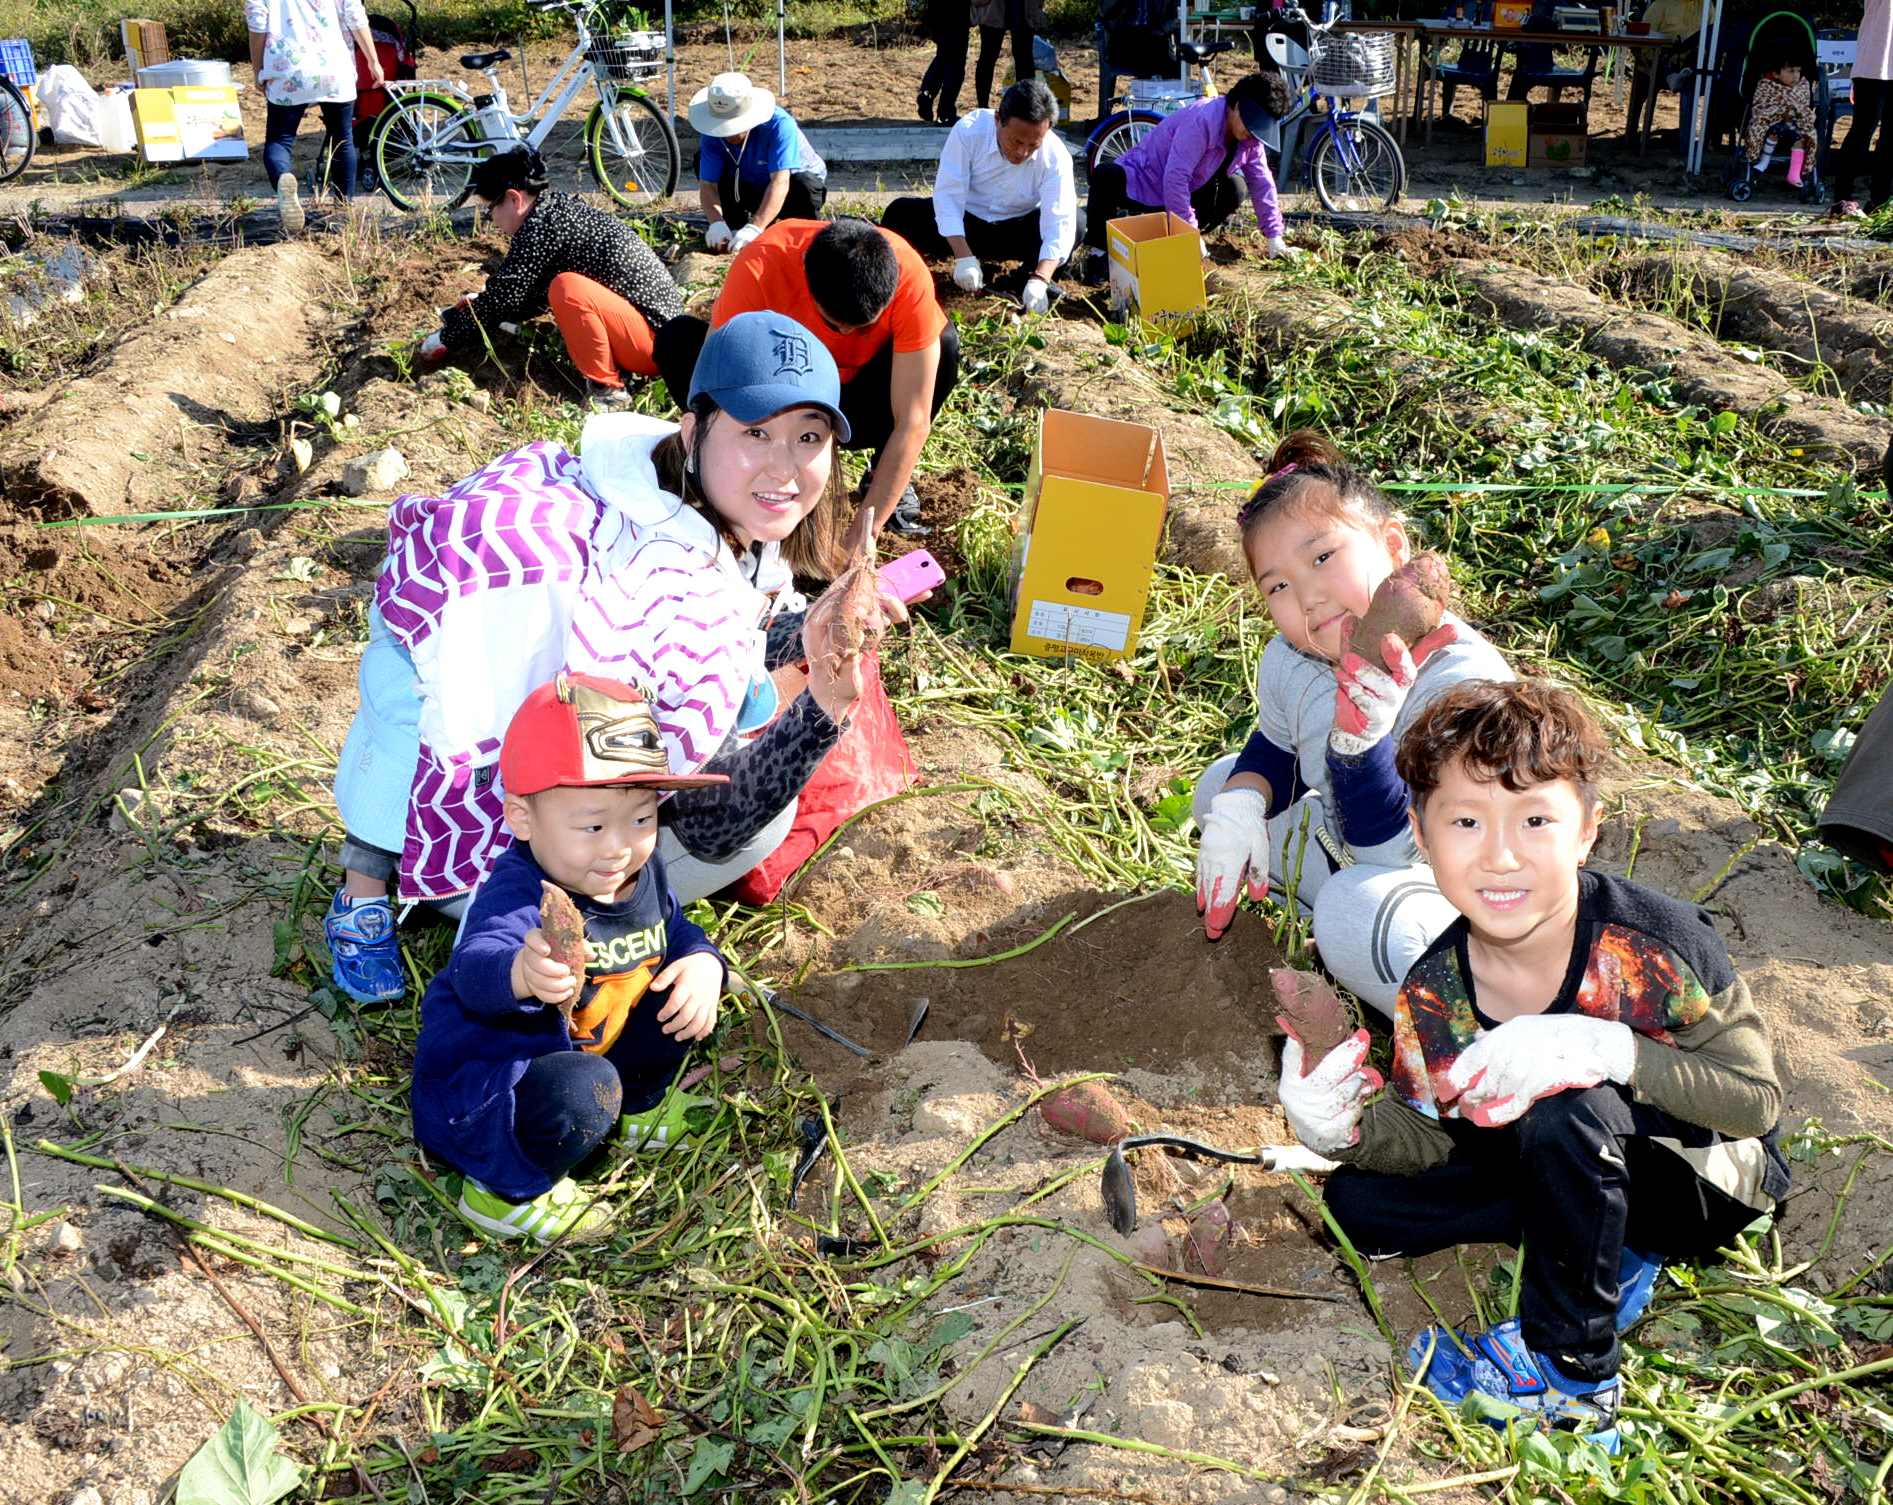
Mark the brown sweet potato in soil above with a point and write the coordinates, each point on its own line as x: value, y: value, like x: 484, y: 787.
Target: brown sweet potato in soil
x: 1206, y: 1244
x: 1408, y: 604
x: 1085, y: 1111
x: 564, y: 929
x: 1311, y: 1011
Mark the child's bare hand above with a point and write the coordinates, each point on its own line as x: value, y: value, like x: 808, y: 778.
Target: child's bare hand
x: 537, y: 975
x: 696, y: 987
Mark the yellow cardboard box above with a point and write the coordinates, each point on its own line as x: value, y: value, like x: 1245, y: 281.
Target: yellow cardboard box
x: 1507, y: 132
x: 1095, y: 503
x: 145, y: 44
x: 193, y: 124
x: 1157, y: 268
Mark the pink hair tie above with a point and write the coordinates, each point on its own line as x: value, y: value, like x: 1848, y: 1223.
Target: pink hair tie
x: 1276, y: 475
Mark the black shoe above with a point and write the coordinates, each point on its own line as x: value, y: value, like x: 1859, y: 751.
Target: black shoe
x: 905, y: 519
x: 923, y: 104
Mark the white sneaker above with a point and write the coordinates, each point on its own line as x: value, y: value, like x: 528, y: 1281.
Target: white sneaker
x: 289, y: 204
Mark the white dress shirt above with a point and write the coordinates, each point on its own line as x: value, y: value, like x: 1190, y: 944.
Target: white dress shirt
x: 975, y: 178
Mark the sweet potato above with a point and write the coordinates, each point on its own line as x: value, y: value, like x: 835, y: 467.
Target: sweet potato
x: 1085, y: 1111
x: 1311, y: 1011
x: 1408, y: 604
x: 564, y: 929
x: 1206, y: 1243
x: 1150, y: 1245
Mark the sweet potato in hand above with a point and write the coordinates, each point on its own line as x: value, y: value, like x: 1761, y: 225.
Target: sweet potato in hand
x: 1311, y: 1011
x: 564, y: 930
x: 1409, y: 605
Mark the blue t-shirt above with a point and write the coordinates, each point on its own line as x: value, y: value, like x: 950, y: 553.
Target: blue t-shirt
x: 777, y: 145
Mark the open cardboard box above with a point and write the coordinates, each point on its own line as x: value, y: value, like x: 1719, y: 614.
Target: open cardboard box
x: 1095, y: 503
x: 1157, y: 269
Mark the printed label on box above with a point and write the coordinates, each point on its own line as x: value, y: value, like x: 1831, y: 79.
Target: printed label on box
x: 1082, y: 625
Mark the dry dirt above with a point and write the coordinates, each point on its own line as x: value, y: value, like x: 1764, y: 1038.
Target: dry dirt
x: 210, y: 668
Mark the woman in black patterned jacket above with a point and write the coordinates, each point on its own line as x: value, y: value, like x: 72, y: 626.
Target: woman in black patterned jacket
x: 607, y: 291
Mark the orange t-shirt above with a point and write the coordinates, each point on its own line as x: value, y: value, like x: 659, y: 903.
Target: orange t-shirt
x: 767, y: 274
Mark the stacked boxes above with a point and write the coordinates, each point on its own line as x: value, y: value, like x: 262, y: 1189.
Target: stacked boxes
x: 1157, y: 268
x: 145, y: 44
x: 188, y: 125
x: 1095, y: 502
x: 16, y: 62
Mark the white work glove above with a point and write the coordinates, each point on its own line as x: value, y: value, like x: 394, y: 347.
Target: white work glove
x: 1367, y: 698
x: 743, y: 237
x: 1279, y: 247
x: 1037, y: 297
x: 434, y: 348
x: 967, y: 276
x: 718, y: 235
x: 1324, y: 1107
x: 1235, y: 850
x: 1506, y: 1070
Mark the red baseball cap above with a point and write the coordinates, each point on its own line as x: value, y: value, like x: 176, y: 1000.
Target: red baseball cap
x: 582, y: 731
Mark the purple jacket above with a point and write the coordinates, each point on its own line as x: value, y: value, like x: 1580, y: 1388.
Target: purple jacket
x: 1182, y: 154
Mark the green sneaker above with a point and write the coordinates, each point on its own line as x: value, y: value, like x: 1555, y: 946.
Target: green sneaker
x: 666, y: 1124
x: 565, y: 1210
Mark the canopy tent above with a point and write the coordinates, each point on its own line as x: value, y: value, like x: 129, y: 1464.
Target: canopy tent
x: 1701, y: 94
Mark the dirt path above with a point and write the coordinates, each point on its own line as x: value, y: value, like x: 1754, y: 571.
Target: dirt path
x: 220, y: 659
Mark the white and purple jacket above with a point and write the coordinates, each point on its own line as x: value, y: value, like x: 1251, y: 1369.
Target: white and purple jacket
x: 544, y: 560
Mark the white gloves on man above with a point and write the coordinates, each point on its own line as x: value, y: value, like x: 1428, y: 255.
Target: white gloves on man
x: 1279, y: 247
x: 1037, y: 297
x: 743, y: 237
x: 1507, y: 1069
x: 718, y: 235
x: 1235, y: 850
x: 1324, y: 1107
x: 967, y: 276
x: 434, y: 348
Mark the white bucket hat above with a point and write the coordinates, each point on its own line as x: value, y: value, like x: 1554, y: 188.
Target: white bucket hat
x: 730, y: 106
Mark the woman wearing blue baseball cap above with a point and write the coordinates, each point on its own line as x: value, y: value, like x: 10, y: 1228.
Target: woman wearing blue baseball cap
x: 662, y: 555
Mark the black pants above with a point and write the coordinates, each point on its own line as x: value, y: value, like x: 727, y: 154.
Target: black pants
x: 804, y: 200
x: 569, y: 1101
x: 1873, y: 106
x: 1579, y: 1176
x: 991, y: 39
x: 947, y: 72
x: 865, y: 401
x: 1214, y: 202
x: 1015, y: 239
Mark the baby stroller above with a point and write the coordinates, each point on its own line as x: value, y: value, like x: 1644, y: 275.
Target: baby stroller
x: 399, y: 51
x: 1779, y: 39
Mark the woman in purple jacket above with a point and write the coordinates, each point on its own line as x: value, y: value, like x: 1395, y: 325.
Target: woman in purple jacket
x: 1185, y: 165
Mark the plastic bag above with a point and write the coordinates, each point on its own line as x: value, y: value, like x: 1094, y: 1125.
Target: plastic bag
x: 72, y: 106
x: 869, y: 763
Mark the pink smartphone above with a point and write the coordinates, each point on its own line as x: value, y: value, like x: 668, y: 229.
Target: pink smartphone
x: 913, y: 574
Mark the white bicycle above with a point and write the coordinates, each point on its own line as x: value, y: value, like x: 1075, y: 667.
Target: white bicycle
x: 433, y: 133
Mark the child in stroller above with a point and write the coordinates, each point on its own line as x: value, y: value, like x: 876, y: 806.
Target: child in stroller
x: 399, y: 51
x: 1786, y: 105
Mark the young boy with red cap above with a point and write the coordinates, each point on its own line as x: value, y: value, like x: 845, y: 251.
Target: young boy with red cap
x: 502, y: 1089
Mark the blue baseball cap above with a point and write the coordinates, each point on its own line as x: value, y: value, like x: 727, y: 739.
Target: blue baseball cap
x: 760, y: 363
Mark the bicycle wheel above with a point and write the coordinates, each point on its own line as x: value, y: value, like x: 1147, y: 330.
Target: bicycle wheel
x: 566, y: 151
x: 17, y: 138
x: 423, y: 154
x: 1117, y: 134
x: 1357, y: 168
x: 634, y: 151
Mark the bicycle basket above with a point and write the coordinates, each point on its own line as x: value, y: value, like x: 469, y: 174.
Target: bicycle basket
x: 629, y: 55
x: 1357, y: 64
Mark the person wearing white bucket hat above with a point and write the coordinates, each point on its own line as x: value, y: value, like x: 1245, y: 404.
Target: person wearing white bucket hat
x: 754, y: 166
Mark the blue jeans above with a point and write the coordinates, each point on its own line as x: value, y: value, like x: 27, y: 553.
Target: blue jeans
x: 279, y: 130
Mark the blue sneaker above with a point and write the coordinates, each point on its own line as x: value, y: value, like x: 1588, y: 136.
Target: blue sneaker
x: 1636, y: 1284
x: 1511, y: 1383
x: 1440, y: 1359
x: 367, y: 955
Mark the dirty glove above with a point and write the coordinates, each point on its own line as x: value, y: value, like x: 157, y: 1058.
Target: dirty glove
x: 1324, y: 1107
x: 1037, y: 297
x: 1507, y: 1069
x: 434, y: 348
x: 718, y: 236
x: 1367, y: 698
x: 743, y: 237
x: 1279, y: 247
x: 1235, y: 849
x: 967, y: 276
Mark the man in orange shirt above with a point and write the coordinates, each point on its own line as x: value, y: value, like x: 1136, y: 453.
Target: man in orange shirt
x: 868, y: 297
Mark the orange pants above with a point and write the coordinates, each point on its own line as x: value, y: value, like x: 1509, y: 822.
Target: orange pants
x: 603, y: 332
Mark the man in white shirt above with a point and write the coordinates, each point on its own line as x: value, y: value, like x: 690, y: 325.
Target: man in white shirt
x: 1004, y: 192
